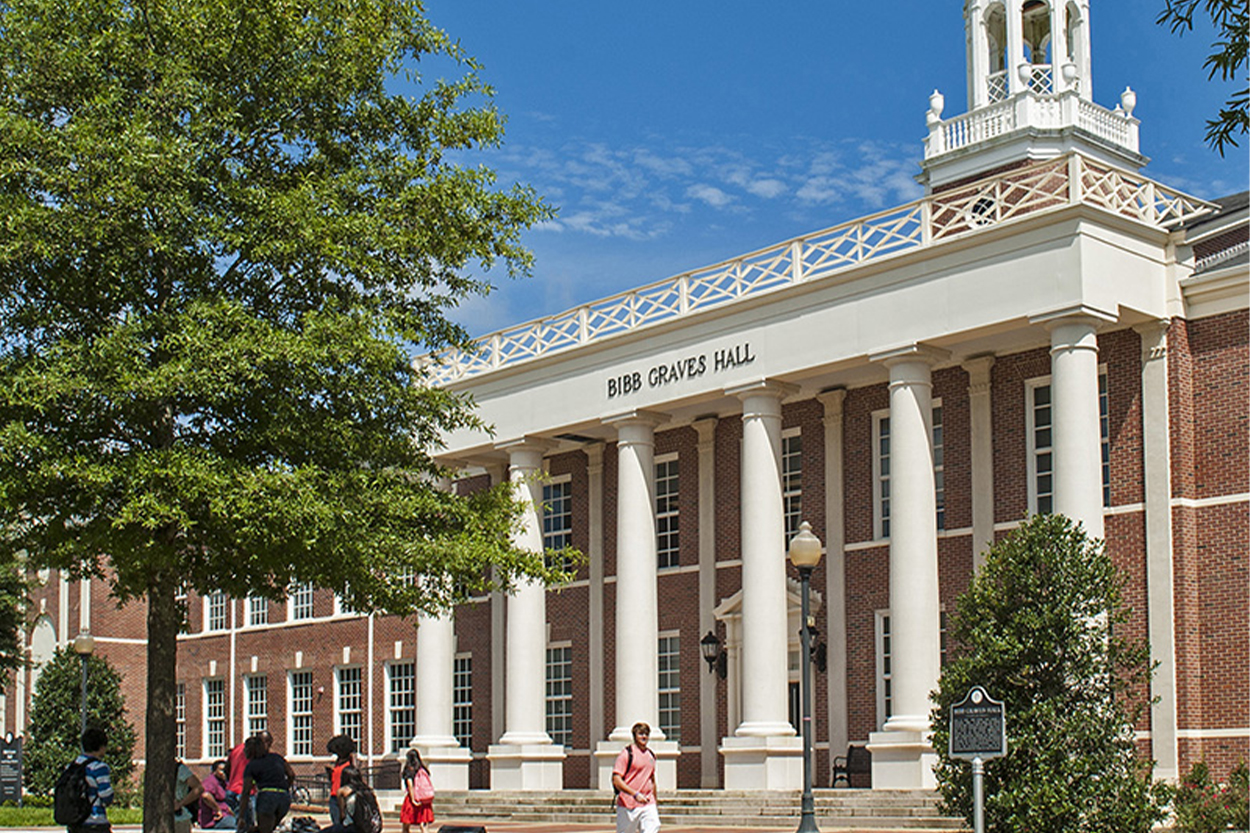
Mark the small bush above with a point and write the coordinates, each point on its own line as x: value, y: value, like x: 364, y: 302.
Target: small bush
x: 1203, y: 806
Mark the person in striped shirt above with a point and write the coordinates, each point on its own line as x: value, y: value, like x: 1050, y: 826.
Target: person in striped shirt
x: 99, y: 787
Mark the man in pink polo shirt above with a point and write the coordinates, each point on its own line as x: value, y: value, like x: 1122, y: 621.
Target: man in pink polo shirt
x: 633, y: 776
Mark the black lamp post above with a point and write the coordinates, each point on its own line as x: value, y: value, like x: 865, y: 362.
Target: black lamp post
x: 805, y: 554
x: 713, y: 654
x: 84, y: 646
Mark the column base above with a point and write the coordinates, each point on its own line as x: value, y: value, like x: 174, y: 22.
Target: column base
x: 536, y: 767
x: 449, y: 765
x: 666, y: 752
x: 763, y: 763
x: 902, y: 760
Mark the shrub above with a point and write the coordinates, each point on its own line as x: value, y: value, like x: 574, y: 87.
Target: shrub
x: 1203, y: 806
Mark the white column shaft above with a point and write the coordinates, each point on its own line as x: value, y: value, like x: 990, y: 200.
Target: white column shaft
x: 981, y: 429
x: 708, y: 681
x: 637, y: 601
x: 835, y: 571
x: 914, y: 614
x: 765, y: 660
x: 595, y: 623
x: 436, y: 656
x: 1077, y: 438
x: 526, y: 661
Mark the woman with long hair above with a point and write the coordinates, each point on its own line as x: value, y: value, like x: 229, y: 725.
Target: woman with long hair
x: 356, y: 804
x: 418, y: 805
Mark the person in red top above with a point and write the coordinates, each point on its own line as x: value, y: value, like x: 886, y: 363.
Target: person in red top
x: 633, y: 776
x: 236, y: 762
x: 342, y: 747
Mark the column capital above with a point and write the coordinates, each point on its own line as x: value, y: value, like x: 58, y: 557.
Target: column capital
x: 763, y: 387
x: 594, y: 457
x: 705, y: 426
x: 978, y: 369
x: 1154, y: 339
x: 1075, y: 314
x: 526, y: 443
x: 635, y: 416
x: 833, y: 400
x: 914, y: 352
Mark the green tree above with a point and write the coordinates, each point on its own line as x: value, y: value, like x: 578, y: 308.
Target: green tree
x: 13, y: 610
x: 228, y: 225
x: 1040, y: 629
x: 1231, y: 19
x: 54, y: 736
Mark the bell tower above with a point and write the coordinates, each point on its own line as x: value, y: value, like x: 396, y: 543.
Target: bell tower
x: 1030, y: 95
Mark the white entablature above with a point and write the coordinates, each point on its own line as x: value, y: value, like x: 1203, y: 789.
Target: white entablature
x: 1030, y: 94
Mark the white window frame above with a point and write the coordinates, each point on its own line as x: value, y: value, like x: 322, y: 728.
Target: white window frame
x: 300, y: 718
x: 559, y: 705
x: 937, y: 439
x: 180, y: 721
x: 667, y: 511
x: 668, y: 653
x: 883, y: 630
x: 462, y: 699
x: 342, y: 608
x: 214, y: 742
x: 556, y: 538
x: 401, y: 704
x: 792, y: 480
x: 349, y: 707
x: 257, y: 611
x: 881, y: 492
x: 303, y: 597
x: 216, y: 612
x: 255, y: 703
x: 1033, y: 450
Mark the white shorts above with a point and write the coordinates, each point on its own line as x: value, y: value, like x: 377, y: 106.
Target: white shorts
x: 644, y: 819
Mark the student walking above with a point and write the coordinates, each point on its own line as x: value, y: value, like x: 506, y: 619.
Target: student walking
x: 418, y: 807
x: 633, y: 776
x: 99, y: 787
x: 272, y: 777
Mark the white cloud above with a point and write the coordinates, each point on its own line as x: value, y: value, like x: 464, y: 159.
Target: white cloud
x: 709, y: 194
x: 767, y: 188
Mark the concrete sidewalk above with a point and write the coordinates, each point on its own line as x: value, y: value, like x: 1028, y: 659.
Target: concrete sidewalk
x: 537, y: 827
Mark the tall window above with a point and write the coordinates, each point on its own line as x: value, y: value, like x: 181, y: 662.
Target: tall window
x: 256, y: 690
x: 1040, y: 431
x: 560, y: 694
x: 301, y: 716
x: 401, y: 704
x: 257, y: 611
x: 216, y: 612
x: 666, y: 512
x: 348, y: 703
x: 939, y: 465
x: 792, y: 480
x: 558, y: 517
x: 885, y: 683
x: 462, y: 700
x: 301, y: 602
x: 180, y: 721
x: 214, y: 718
x: 670, y: 687
x: 881, y: 469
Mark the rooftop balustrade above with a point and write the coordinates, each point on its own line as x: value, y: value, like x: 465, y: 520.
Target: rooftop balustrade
x: 1010, y: 196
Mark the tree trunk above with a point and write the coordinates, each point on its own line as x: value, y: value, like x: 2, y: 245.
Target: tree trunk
x: 159, y: 775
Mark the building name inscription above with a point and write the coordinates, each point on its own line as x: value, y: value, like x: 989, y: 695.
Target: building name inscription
x: 679, y: 370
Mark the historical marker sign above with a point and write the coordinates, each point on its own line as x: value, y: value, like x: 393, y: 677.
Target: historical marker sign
x: 978, y: 727
x: 11, y: 768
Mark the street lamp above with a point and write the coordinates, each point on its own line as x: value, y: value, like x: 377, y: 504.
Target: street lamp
x: 713, y: 654
x: 805, y: 554
x: 84, y: 646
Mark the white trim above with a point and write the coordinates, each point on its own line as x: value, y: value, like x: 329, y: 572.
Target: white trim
x: 674, y: 511
x: 1124, y: 509
x: 866, y: 545
x: 877, y: 520
x: 290, y: 604
x: 291, y: 714
x: 1203, y: 503
x: 337, y: 704
x: 667, y: 457
x: 1212, y: 734
x: 388, y: 737
x: 204, y: 719
x: 207, y: 612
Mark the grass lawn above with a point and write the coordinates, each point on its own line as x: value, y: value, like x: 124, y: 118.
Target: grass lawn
x: 42, y: 816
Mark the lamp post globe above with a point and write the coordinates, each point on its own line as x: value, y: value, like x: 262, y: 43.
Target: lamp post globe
x: 805, y: 552
x: 84, y: 646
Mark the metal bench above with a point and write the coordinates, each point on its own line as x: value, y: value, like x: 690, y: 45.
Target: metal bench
x: 856, y: 761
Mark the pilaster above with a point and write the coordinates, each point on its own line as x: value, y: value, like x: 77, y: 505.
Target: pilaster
x: 835, y: 569
x: 981, y: 429
x: 594, y: 485
x: 709, y: 776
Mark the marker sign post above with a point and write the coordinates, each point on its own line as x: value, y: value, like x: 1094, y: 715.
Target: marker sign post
x: 978, y: 733
x: 11, y: 769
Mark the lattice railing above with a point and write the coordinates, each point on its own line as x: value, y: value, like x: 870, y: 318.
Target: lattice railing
x: 1043, y: 187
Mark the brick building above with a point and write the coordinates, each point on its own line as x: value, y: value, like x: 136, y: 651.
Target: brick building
x: 1046, y: 330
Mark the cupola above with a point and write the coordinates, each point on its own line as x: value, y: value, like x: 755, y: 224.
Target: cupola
x: 1029, y: 95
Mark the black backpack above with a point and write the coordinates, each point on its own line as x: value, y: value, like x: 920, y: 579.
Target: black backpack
x: 366, y: 817
x: 629, y: 765
x: 70, y: 802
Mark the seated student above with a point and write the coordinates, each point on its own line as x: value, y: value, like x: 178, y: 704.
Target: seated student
x: 215, y: 812
x: 356, y: 803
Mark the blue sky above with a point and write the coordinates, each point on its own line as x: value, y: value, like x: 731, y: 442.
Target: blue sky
x: 672, y: 135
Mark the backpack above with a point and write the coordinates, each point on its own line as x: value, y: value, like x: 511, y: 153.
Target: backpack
x: 366, y: 817
x: 629, y: 764
x: 71, y: 803
x: 422, y: 787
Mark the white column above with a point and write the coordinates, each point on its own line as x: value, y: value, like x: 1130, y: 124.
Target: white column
x: 434, y: 738
x: 765, y: 753
x: 835, y: 570
x: 1015, y: 46
x: 525, y: 758
x: 637, y: 598
x: 709, y: 777
x: 902, y: 757
x: 1158, y: 482
x: 595, y: 624
x: 981, y: 428
x: 1074, y: 398
x: 498, y: 635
